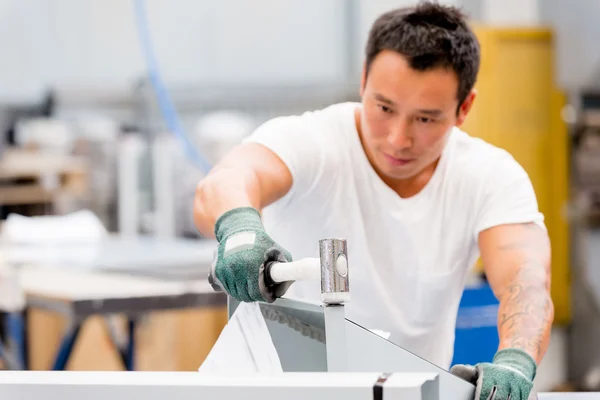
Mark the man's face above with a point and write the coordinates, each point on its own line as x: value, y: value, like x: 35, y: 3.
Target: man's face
x: 407, y: 115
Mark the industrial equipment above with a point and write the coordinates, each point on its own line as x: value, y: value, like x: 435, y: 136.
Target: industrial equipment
x: 312, y: 337
x: 192, y: 386
x: 323, y: 355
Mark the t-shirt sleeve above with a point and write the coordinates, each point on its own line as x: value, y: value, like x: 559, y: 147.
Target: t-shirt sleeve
x: 299, y: 143
x: 508, y: 197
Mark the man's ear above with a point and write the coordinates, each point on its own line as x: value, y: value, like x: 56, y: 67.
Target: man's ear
x: 465, y: 107
x: 363, y: 80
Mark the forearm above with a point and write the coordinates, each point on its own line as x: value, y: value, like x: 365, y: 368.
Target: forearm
x: 526, y: 312
x: 223, y: 190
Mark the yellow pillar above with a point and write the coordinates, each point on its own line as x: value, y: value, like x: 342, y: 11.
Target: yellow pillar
x: 518, y: 109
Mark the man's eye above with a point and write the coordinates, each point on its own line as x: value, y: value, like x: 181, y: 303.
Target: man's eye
x: 385, y: 109
x: 424, y: 120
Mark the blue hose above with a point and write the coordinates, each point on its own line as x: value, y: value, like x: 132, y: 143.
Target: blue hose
x: 164, y: 101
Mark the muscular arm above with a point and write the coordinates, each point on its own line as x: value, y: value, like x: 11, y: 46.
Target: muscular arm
x: 516, y: 259
x: 251, y: 175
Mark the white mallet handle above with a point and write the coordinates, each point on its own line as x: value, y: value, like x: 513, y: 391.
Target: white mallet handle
x: 306, y: 269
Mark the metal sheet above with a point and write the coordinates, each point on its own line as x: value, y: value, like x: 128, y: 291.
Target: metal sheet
x: 34, y: 385
x: 166, y: 258
x: 335, y: 339
x: 365, y: 351
x: 303, y: 355
x: 303, y: 325
x: 370, y: 352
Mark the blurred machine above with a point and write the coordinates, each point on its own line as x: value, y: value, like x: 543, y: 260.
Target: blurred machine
x: 13, y: 114
x: 584, y: 360
x: 586, y: 153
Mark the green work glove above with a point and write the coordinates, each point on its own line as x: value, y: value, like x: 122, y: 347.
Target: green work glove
x: 245, y: 251
x: 509, y: 376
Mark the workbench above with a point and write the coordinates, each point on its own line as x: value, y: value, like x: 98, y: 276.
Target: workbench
x: 131, y: 278
x: 80, y: 295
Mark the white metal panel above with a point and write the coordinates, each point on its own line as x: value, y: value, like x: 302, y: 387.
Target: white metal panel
x: 59, y: 385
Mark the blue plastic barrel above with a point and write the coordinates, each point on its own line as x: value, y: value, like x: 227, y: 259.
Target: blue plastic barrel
x: 476, y: 332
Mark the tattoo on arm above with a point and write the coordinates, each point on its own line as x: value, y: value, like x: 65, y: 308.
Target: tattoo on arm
x: 526, y: 310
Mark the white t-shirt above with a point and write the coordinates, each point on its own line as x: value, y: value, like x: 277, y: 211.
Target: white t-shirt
x: 408, y: 257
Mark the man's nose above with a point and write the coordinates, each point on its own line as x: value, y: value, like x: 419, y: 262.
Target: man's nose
x: 399, y: 137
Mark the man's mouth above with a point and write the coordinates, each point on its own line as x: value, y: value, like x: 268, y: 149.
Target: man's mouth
x: 397, y: 161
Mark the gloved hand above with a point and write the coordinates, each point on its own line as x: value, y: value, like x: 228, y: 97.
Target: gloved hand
x: 509, y: 376
x: 244, y: 251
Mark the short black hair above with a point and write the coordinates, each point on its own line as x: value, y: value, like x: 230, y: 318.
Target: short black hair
x: 429, y: 35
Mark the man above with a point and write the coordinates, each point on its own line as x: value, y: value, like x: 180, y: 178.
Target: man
x: 417, y: 199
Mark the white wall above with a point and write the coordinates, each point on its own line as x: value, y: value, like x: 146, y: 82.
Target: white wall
x: 94, y: 42
x: 577, y: 27
x: 511, y: 12
x: 70, y: 42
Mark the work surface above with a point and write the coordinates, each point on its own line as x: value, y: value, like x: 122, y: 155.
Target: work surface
x: 184, y: 386
x: 73, y: 285
x: 190, y: 385
x: 125, y: 269
x: 147, y: 256
x: 87, y: 292
x: 115, y: 270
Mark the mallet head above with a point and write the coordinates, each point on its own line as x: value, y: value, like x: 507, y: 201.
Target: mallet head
x: 335, y: 284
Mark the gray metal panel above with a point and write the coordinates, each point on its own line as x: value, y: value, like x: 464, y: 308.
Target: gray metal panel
x: 308, y: 313
x: 369, y: 352
x: 365, y: 350
x: 432, y: 391
x: 231, y: 306
x: 429, y: 391
x: 297, y: 353
x: 298, y: 334
x: 335, y: 338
